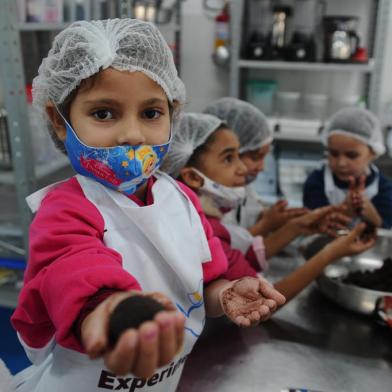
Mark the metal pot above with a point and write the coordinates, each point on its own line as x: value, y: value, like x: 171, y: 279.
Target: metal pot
x: 352, y: 297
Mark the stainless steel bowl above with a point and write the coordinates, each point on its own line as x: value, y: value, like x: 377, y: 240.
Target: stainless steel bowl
x: 353, y: 297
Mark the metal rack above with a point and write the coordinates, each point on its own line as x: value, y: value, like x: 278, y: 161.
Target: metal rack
x: 288, y: 138
x: 372, y: 71
x: 24, y: 176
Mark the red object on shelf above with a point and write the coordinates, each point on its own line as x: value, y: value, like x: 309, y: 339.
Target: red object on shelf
x: 361, y: 55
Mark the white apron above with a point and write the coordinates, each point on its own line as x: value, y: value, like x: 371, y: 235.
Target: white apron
x: 249, y: 211
x: 336, y: 195
x: 163, y: 246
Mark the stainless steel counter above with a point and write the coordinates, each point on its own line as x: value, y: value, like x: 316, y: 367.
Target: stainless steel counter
x: 309, y: 343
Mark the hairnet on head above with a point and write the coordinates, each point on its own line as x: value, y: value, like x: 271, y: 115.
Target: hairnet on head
x: 86, y: 47
x: 192, y: 131
x: 358, y: 123
x: 248, y: 122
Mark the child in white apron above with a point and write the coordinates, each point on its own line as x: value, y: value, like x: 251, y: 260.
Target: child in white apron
x: 109, y: 92
x: 255, y: 135
x: 205, y: 155
x: 354, y: 139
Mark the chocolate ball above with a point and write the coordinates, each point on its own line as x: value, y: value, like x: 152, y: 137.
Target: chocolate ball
x: 131, y: 313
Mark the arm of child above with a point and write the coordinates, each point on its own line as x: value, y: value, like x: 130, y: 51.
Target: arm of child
x: 275, y: 217
x: 68, y: 264
x: 322, y: 220
x: 347, y: 245
x: 142, y: 351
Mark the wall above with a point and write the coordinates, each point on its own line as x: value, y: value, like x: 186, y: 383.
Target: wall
x: 203, y: 79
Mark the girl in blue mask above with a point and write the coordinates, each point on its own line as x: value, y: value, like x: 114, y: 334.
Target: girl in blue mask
x: 109, y: 94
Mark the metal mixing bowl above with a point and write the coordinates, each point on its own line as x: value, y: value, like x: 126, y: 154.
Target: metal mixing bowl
x: 353, y: 297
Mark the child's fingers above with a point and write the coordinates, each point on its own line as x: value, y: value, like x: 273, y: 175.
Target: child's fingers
x: 351, y: 182
x: 121, y: 359
x: 269, y: 292
x: 272, y: 305
x: 146, y: 361
x: 280, y: 204
x: 264, y: 312
x: 94, y: 331
x: 167, y: 337
x: 242, y: 321
x: 357, y: 231
x: 163, y: 300
x: 362, y: 180
x: 254, y: 317
x: 179, y: 322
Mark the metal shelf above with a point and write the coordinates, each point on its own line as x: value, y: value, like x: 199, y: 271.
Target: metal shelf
x: 41, y: 26
x: 41, y: 171
x: 296, y: 130
x: 9, y: 296
x: 303, y: 66
x: 294, y: 137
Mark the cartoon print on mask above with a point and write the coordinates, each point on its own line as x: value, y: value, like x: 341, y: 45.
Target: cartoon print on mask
x: 122, y: 168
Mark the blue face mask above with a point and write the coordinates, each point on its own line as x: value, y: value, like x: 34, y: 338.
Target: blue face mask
x: 122, y: 168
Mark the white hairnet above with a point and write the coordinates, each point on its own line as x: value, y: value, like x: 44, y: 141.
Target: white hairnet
x: 192, y: 131
x: 86, y: 47
x: 248, y: 122
x: 358, y: 123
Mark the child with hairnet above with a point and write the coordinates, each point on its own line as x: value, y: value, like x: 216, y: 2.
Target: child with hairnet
x: 252, y: 128
x: 205, y: 155
x: 109, y: 93
x: 354, y: 139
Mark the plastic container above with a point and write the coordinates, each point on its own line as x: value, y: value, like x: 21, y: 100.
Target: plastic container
x: 261, y: 93
x: 288, y: 103
x: 337, y: 103
x: 315, y: 106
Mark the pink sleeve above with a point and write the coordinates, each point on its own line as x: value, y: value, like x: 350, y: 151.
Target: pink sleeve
x: 68, y: 263
x: 239, y: 265
x: 218, y: 264
x: 256, y: 254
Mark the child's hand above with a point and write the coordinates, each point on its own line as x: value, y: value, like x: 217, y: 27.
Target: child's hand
x: 278, y: 215
x: 324, y: 220
x: 141, y: 351
x: 353, y: 243
x: 249, y: 301
x: 356, y: 195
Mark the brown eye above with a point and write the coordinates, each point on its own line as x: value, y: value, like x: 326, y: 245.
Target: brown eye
x: 352, y: 155
x: 103, y: 114
x: 152, y: 114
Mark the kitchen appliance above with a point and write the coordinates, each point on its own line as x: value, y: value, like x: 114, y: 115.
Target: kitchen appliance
x: 307, y: 21
x: 279, y: 31
x: 258, y: 42
x: 341, y: 40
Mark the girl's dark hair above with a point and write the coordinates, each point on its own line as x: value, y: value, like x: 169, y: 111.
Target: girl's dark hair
x: 194, y: 160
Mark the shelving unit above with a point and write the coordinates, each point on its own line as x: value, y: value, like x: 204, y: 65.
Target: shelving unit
x: 38, y: 26
x: 24, y: 176
x: 303, y: 66
x: 370, y: 73
x: 372, y: 70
